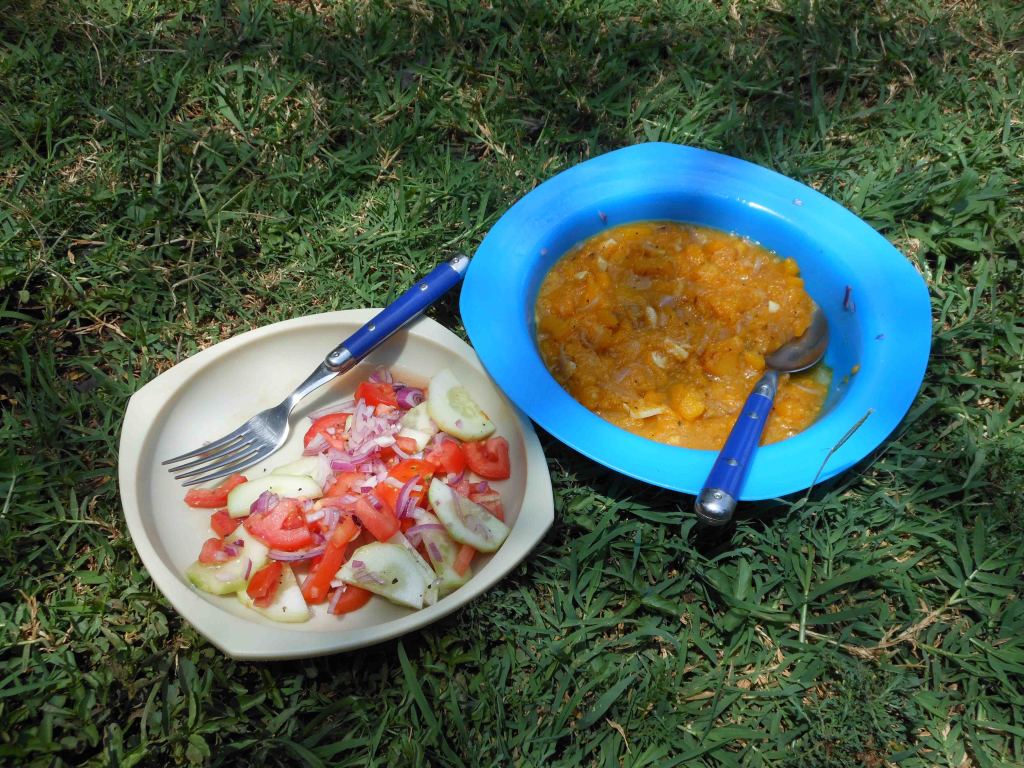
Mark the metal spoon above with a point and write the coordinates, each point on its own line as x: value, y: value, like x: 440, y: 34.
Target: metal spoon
x: 717, y: 499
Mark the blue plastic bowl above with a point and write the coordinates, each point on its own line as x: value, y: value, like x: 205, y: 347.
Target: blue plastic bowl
x: 884, y: 327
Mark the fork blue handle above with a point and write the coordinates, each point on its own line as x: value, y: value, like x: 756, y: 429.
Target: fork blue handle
x: 425, y: 292
x: 717, y: 499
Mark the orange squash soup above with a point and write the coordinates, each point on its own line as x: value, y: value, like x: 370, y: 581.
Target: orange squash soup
x: 662, y: 329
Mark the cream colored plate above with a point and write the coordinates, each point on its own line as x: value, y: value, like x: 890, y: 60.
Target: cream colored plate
x: 217, y: 389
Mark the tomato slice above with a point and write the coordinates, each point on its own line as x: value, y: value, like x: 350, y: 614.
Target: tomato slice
x: 212, y: 498
x: 352, y: 599
x: 213, y: 552
x: 342, y: 484
x: 318, y: 584
x: 404, y: 471
x: 489, y: 458
x: 406, y: 444
x: 335, y: 421
x: 264, y: 583
x: 377, y: 393
x: 447, y: 455
x: 491, y: 501
x: 282, y: 527
x: 379, y: 522
x: 463, y: 559
x: 222, y: 523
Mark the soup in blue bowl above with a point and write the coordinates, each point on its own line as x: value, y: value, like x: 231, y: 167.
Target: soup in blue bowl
x: 875, y: 301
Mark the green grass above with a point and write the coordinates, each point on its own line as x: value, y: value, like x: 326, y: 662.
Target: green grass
x: 175, y: 173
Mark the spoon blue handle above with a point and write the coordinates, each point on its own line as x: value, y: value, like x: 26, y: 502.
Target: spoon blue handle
x: 717, y: 499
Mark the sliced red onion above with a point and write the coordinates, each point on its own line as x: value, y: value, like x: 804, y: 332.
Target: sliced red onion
x: 382, y: 375
x: 316, y: 514
x: 248, y: 570
x: 848, y: 304
x: 335, y: 583
x: 409, y: 397
x: 316, y: 445
x: 402, y: 506
x: 294, y: 557
x: 234, y: 547
x: 229, y: 551
x: 424, y: 527
x: 357, y: 425
x: 266, y: 502
x: 399, y: 452
x: 349, y: 462
x: 480, y: 487
x: 365, y: 573
x: 453, y: 478
x: 374, y: 438
x: 395, y: 483
x: 331, y: 517
x: 335, y: 597
x: 345, y: 406
x: 435, y: 552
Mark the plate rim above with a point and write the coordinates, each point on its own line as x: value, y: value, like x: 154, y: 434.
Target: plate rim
x: 259, y: 639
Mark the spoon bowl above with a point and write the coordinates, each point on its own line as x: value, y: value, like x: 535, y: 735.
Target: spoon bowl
x: 716, y: 502
x: 805, y: 350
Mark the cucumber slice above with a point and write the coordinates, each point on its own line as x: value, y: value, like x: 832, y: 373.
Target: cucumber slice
x: 387, y: 570
x: 442, y: 551
x: 221, y: 579
x: 288, y: 605
x: 232, y: 575
x: 431, y: 594
x: 454, y: 410
x: 466, y: 521
x: 292, y: 486
x: 253, y: 548
x: 318, y: 467
x: 417, y: 425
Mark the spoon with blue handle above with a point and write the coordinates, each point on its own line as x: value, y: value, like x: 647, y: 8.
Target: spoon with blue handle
x: 717, y: 499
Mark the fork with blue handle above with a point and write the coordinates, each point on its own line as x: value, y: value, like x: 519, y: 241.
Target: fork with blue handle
x: 267, y: 431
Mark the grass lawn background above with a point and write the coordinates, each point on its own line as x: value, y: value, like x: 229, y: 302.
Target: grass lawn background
x: 174, y: 173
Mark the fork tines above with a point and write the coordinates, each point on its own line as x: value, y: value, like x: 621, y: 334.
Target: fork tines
x: 219, y: 458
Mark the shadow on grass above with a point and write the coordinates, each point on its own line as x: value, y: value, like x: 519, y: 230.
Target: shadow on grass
x: 578, y: 80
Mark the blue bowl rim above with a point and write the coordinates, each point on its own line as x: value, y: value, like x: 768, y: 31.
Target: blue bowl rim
x: 894, y: 314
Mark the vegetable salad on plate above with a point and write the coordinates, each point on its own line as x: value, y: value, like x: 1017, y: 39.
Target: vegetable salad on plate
x: 391, y: 497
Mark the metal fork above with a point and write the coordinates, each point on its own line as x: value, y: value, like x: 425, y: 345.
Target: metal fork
x: 267, y: 431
